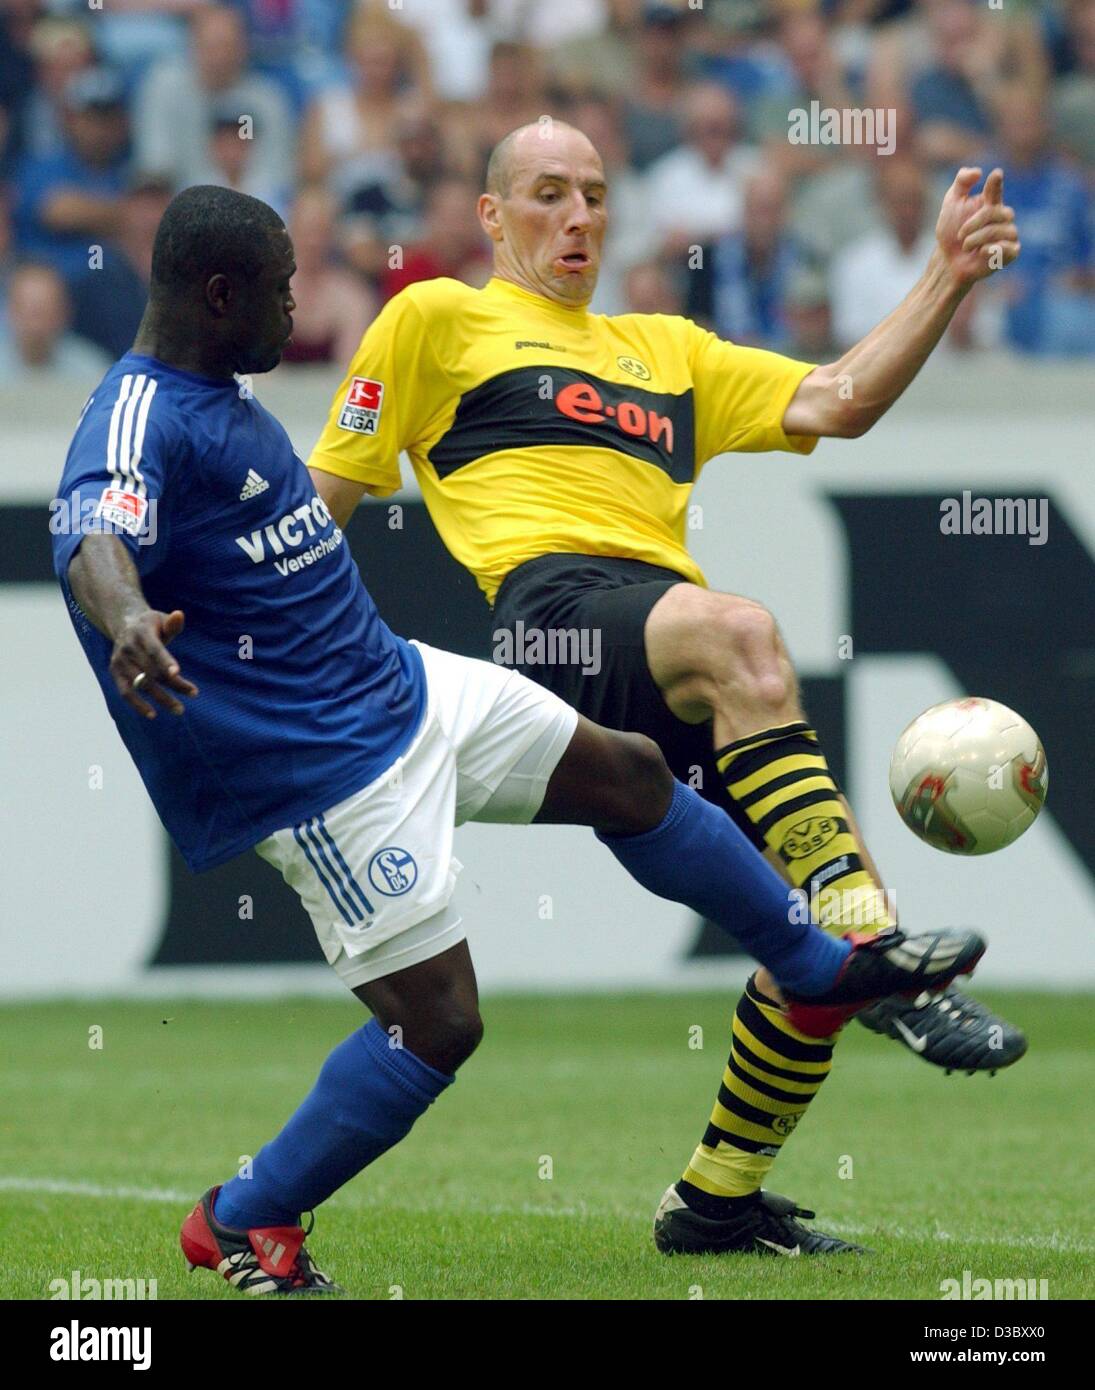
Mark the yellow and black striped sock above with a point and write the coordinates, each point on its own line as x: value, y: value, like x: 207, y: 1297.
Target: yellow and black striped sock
x: 772, y: 1074
x: 779, y: 780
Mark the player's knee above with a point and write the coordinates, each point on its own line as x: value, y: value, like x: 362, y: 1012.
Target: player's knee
x: 641, y: 785
x: 649, y: 771
x: 743, y: 626
x: 735, y: 655
x: 455, y: 1034
x: 750, y: 653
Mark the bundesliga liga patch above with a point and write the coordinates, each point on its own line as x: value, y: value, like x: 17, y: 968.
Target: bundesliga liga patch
x: 361, y: 410
x: 124, y: 509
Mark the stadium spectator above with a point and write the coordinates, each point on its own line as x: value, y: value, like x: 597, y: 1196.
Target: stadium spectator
x: 333, y: 306
x: 60, y: 48
x: 695, y: 191
x: 65, y: 204
x: 815, y: 73
x: 109, y: 299
x: 950, y: 97
x: 514, y: 95
x: 541, y: 25
x: 632, y: 238
x: 854, y: 27
x: 36, y: 341
x: 234, y: 162
x: 344, y: 123
x: 836, y: 205
x: 452, y: 243
x: 993, y: 44
x: 652, y: 122
x: 296, y: 41
x: 458, y: 36
x: 734, y: 49
x: 131, y: 35
x: 681, y: 98
x: 1057, y: 23
x: 1050, y: 291
x: 384, y: 195
x: 607, y: 67
x: 7, y: 254
x: 868, y: 11
x: 742, y: 282
x: 870, y: 278
x: 649, y: 288
x: 809, y: 316
x: 174, y: 108
x: 17, y: 21
x: 1074, y: 93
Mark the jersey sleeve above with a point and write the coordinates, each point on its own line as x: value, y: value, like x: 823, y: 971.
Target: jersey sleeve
x: 395, y: 384
x: 741, y: 394
x: 120, y: 464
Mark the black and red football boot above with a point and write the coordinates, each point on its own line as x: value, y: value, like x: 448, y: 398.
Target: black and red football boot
x: 882, y: 965
x: 267, y: 1260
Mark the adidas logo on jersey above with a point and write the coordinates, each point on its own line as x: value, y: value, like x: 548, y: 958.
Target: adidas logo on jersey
x: 253, y: 486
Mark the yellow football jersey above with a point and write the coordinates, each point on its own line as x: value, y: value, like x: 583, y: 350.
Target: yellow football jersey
x: 536, y: 428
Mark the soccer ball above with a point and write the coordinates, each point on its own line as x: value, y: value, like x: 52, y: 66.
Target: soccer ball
x: 968, y: 776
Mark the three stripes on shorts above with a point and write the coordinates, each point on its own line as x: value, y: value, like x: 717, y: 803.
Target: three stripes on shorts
x: 330, y: 867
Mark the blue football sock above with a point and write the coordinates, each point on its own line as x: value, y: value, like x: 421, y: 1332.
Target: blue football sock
x: 698, y: 856
x: 367, y: 1096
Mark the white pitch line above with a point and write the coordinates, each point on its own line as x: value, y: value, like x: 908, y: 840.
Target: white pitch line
x: 1060, y: 1244
x: 65, y: 1188
x: 62, y: 1188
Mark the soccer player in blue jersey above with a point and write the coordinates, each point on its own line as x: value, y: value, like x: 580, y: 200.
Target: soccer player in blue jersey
x: 208, y: 582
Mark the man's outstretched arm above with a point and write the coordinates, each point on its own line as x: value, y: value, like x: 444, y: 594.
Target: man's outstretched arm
x: 104, y: 582
x: 975, y: 236
x: 340, y: 494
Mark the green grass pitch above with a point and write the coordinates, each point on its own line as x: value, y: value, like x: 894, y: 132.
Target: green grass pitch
x: 102, y: 1151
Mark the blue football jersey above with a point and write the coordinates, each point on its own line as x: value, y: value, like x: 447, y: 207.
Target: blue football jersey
x: 305, y: 696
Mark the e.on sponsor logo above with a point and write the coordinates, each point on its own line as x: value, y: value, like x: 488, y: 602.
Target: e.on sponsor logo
x: 582, y: 402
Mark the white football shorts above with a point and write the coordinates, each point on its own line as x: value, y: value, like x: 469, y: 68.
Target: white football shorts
x: 376, y: 872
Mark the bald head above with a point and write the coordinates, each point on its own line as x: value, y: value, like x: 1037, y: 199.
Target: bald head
x: 500, y: 164
x: 528, y: 142
x: 544, y: 210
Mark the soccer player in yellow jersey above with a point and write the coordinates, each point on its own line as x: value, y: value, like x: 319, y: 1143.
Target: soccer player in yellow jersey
x: 556, y: 450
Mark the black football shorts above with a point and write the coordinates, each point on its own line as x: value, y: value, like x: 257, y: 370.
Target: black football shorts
x: 607, y: 599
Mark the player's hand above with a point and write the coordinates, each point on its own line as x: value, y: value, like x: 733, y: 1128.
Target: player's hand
x: 141, y: 665
x: 977, y: 235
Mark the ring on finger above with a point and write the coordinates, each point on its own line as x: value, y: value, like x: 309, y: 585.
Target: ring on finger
x: 139, y: 679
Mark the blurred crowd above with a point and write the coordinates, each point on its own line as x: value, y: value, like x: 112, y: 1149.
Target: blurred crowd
x: 368, y: 123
